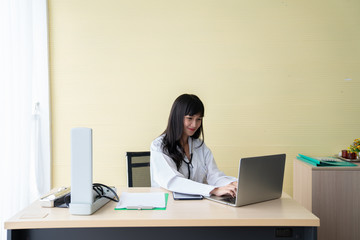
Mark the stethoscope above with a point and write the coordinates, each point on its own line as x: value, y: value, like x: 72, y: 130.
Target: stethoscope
x: 189, y: 160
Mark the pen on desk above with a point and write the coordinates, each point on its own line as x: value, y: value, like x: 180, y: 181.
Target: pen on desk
x: 140, y: 207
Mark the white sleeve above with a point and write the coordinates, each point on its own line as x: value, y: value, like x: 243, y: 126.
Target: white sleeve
x: 214, y: 175
x: 164, y: 173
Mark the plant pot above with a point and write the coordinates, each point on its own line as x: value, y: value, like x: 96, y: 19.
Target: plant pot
x: 352, y: 155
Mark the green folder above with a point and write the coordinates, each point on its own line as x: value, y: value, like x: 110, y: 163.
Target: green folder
x: 325, y: 161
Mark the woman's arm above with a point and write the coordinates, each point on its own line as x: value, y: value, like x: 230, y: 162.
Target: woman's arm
x: 164, y: 173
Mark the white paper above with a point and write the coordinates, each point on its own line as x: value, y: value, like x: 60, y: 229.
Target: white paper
x: 141, y: 200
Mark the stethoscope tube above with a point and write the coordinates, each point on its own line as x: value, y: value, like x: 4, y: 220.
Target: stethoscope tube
x: 190, y: 160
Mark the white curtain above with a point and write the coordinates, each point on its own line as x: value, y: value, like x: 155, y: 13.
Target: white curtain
x: 24, y: 105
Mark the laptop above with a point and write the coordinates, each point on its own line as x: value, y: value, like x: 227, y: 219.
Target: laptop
x: 260, y: 179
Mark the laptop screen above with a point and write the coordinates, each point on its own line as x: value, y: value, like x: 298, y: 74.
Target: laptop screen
x: 260, y: 178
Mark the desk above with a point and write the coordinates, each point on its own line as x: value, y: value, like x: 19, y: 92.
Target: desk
x: 332, y: 194
x: 197, y: 219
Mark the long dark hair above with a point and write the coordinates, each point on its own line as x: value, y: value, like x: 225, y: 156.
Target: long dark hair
x: 186, y: 104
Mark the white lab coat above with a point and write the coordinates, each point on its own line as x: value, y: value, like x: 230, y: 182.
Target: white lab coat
x: 204, y: 174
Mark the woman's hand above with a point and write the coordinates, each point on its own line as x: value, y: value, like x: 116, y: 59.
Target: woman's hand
x: 229, y: 189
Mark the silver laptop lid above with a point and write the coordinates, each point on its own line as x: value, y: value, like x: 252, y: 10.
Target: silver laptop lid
x: 260, y: 179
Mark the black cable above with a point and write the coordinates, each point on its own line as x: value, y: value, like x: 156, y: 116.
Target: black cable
x: 98, y: 190
x: 100, y: 187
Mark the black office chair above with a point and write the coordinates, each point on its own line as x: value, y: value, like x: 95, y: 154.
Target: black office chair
x: 138, y: 164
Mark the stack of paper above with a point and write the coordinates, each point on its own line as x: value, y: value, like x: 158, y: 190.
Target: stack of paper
x: 156, y: 200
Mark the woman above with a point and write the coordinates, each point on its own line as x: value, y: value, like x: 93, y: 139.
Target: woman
x: 180, y: 160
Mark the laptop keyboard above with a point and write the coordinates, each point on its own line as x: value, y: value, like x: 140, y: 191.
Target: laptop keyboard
x: 230, y: 199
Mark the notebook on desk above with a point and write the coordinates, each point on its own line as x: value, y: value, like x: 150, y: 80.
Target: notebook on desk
x: 259, y: 179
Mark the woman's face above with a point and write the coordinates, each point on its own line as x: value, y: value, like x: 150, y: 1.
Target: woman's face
x: 191, y: 124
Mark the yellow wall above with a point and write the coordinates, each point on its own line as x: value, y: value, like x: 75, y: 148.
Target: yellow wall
x: 274, y: 77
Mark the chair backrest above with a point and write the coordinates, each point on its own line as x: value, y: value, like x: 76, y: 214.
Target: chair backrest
x: 138, y: 164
